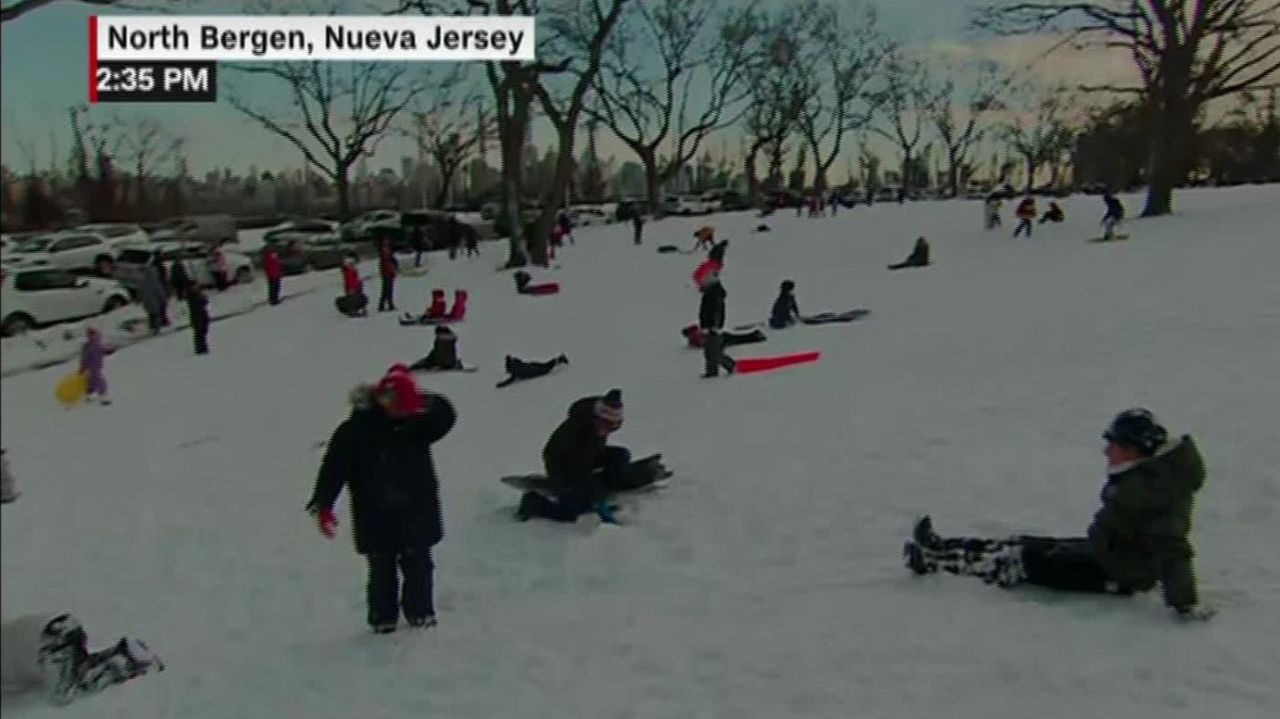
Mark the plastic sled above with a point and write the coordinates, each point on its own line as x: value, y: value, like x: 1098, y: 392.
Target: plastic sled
x: 826, y: 318
x: 71, y: 389
x: 751, y: 365
x: 544, y: 288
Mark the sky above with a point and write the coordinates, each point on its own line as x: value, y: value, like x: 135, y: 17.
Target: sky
x: 43, y: 71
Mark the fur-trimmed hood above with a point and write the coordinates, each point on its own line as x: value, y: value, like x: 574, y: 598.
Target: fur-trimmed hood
x: 362, y: 396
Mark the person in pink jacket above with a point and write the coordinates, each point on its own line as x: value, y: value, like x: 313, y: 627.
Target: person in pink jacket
x: 92, y: 357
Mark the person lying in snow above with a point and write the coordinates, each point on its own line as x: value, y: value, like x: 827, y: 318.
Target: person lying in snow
x: 729, y: 338
x: 919, y: 256
x: 1137, y: 538
x: 578, y: 459
x: 785, y: 310
x: 521, y: 370
x: 39, y: 652
x: 443, y: 356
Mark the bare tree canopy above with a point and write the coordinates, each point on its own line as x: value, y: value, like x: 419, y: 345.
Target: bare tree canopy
x: 334, y: 114
x: 906, y: 109
x: 1044, y: 135
x: 700, y: 54
x: 1186, y: 53
x: 451, y: 126
x: 958, y: 108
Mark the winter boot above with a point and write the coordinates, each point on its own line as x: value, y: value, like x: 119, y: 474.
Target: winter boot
x: 426, y: 622
x: 993, y: 561
x: 384, y: 627
x: 915, y: 560
x: 924, y: 535
x: 562, y: 359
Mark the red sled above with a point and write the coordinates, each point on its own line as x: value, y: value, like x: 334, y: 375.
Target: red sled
x: 767, y: 364
x: 545, y: 288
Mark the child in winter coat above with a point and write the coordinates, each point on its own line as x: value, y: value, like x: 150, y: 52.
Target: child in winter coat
x: 785, y: 311
x: 388, y: 269
x: 1113, y: 217
x: 919, y: 256
x: 1026, y: 214
x: 51, y: 654
x: 218, y: 265
x: 519, y: 369
x: 92, y: 357
x: 274, y: 269
x: 8, y: 487
x: 444, y: 353
x: 437, y: 308
x: 353, y: 301
x: 991, y: 211
x: 198, y: 311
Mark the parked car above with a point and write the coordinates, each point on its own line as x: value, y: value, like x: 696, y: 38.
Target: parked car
x: 693, y: 204
x: 307, y: 245
x: 72, y: 250
x: 367, y: 224
x: 195, y: 257
x: 37, y: 297
x: 209, y: 229
x: 120, y: 233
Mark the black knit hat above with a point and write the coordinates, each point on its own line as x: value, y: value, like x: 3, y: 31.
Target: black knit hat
x: 609, y: 407
x: 788, y: 285
x: 1137, y: 428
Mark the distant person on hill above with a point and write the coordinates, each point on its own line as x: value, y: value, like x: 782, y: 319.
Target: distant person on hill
x: 198, y: 311
x: 1053, y: 214
x: 991, y: 211
x: 417, y: 243
x: 155, y: 301
x: 274, y: 270
x: 566, y: 226
x: 472, y: 240
x: 1026, y: 214
x: 520, y: 370
x: 93, y: 357
x: 1114, y: 215
x: 919, y: 256
x: 711, y: 316
x: 179, y: 279
x: 388, y: 268
x: 353, y: 302
x: 1138, y: 538
x: 443, y: 356
x: 637, y: 226
x: 785, y: 310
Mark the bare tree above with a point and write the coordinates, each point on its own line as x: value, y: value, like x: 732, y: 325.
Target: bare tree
x: 1043, y: 136
x: 780, y: 76
x: 647, y: 105
x: 450, y: 129
x: 333, y: 113
x: 147, y: 144
x: 958, y: 110
x: 1187, y: 53
x: 843, y: 99
x: 906, y: 109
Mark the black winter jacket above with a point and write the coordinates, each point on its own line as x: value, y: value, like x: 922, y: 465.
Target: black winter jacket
x: 443, y: 357
x: 785, y: 311
x: 387, y: 468
x: 573, y: 451
x: 711, y: 311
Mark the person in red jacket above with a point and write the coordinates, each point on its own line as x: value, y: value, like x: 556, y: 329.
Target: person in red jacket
x: 275, y: 272
x: 353, y: 300
x: 388, y: 268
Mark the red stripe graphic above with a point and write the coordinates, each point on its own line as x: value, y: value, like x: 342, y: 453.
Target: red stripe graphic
x: 93, y: 58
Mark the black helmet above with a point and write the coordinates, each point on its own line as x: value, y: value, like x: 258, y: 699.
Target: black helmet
x: 1137, y: 428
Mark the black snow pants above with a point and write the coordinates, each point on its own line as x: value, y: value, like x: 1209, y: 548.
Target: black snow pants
x: 410, y: 589
x: 1065, y: 564
x: 713, y: 354
x: 610, y: 476
x: 386, y: 298
x: 521, y: 370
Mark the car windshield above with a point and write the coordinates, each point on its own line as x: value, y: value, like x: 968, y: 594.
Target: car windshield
x: 33, y: 244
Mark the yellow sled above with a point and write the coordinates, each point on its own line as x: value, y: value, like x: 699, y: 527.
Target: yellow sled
x: 71, y: 389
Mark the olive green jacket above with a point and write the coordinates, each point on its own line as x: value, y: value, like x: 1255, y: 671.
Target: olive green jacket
x: 1140, y: 533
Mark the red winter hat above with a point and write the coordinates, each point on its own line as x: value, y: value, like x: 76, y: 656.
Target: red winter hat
x: 402, y: 391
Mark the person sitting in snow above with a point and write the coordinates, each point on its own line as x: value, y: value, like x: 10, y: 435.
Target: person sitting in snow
x: 93, y: 354
x: 436, y: 310
x: 785, y: 310
x: 353, y: 302
x: 579, y: 461
x: 1053, y: 214
x: 1137, y: 538
x: 443, y: 356
x: 519, y: 369
x: 382, y: 454
x: 919, y: 256
x: 50, y: 654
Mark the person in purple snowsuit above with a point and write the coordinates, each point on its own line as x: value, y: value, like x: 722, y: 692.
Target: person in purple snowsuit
x: 92, y: 356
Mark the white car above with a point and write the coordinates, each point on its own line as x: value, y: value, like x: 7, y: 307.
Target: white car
x: 119, y: 233
x: 692, y: 205
x: 196, y: 258
x: 71, y: 250
x: 366, y: 223
x: 36, y: 297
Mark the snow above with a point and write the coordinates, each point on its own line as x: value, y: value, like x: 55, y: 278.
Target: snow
x: 767, y: 580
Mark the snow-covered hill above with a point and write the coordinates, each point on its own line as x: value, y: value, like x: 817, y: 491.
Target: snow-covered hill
x: 767, y: 581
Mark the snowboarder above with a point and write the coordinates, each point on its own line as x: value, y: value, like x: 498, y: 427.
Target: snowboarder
x: 382, y: 454
x: 92, y: 358
x: 1137, y: 538
x: 711, y: 313
x: 443, y: 356
x: 1114, y: 215
x: 1053, y: 214
x: 1026, y: 214
x: 919, y: 256
x: 8, y: 487
x: 274, y: 271
x: 387, y: 269
x: 519, y: 369
x: 991, y: 211
x: 785, y: 310
x: 637, y: 226
x: 50, y: 654
x: 198, y: 311
x: 578, y: 459
x: 154, y: 300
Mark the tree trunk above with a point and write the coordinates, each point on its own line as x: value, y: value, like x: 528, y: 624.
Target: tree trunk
x: 1031, y: 174
x: 512, y: 142
x: 342, y: 187
x: 553, y: 198
x: 953, y: 169
x: 652, y: 183
x: 1166, y: 161
x: 446, y: 183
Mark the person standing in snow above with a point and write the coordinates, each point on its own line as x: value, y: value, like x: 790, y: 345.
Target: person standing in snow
x: 1138, y: 538
x: 382, y: 454
x: 711, y: 316
x: 991, y: 211
x: 1114, y: 215
x: 637, y: 227
x: 198, y: 312
x: 1026, y: 214
x: 785, y: 310
x: 579, y: 461
x: 8, y: 487
x: 179, y: 279
x: 417, y: 243
x: 92, y: 358
x: 387, y: 269
x: 50, y: 654
x: 274, y: 271
x: 472, y: 240
x: 154, y: 300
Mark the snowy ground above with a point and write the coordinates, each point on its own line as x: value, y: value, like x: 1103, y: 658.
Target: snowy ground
x: 766, y: 582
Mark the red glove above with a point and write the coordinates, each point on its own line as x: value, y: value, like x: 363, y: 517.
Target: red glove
x: 328, y: 523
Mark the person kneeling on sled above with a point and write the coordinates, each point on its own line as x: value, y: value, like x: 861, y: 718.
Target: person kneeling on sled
x: 51, y: 654
x: 382, y: 454
x: 785, y: 310
x: 1137, y: 538
x: 919, y: 256
x: 443, y: 356
x: 578, y: 460
x: 522, y: 370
